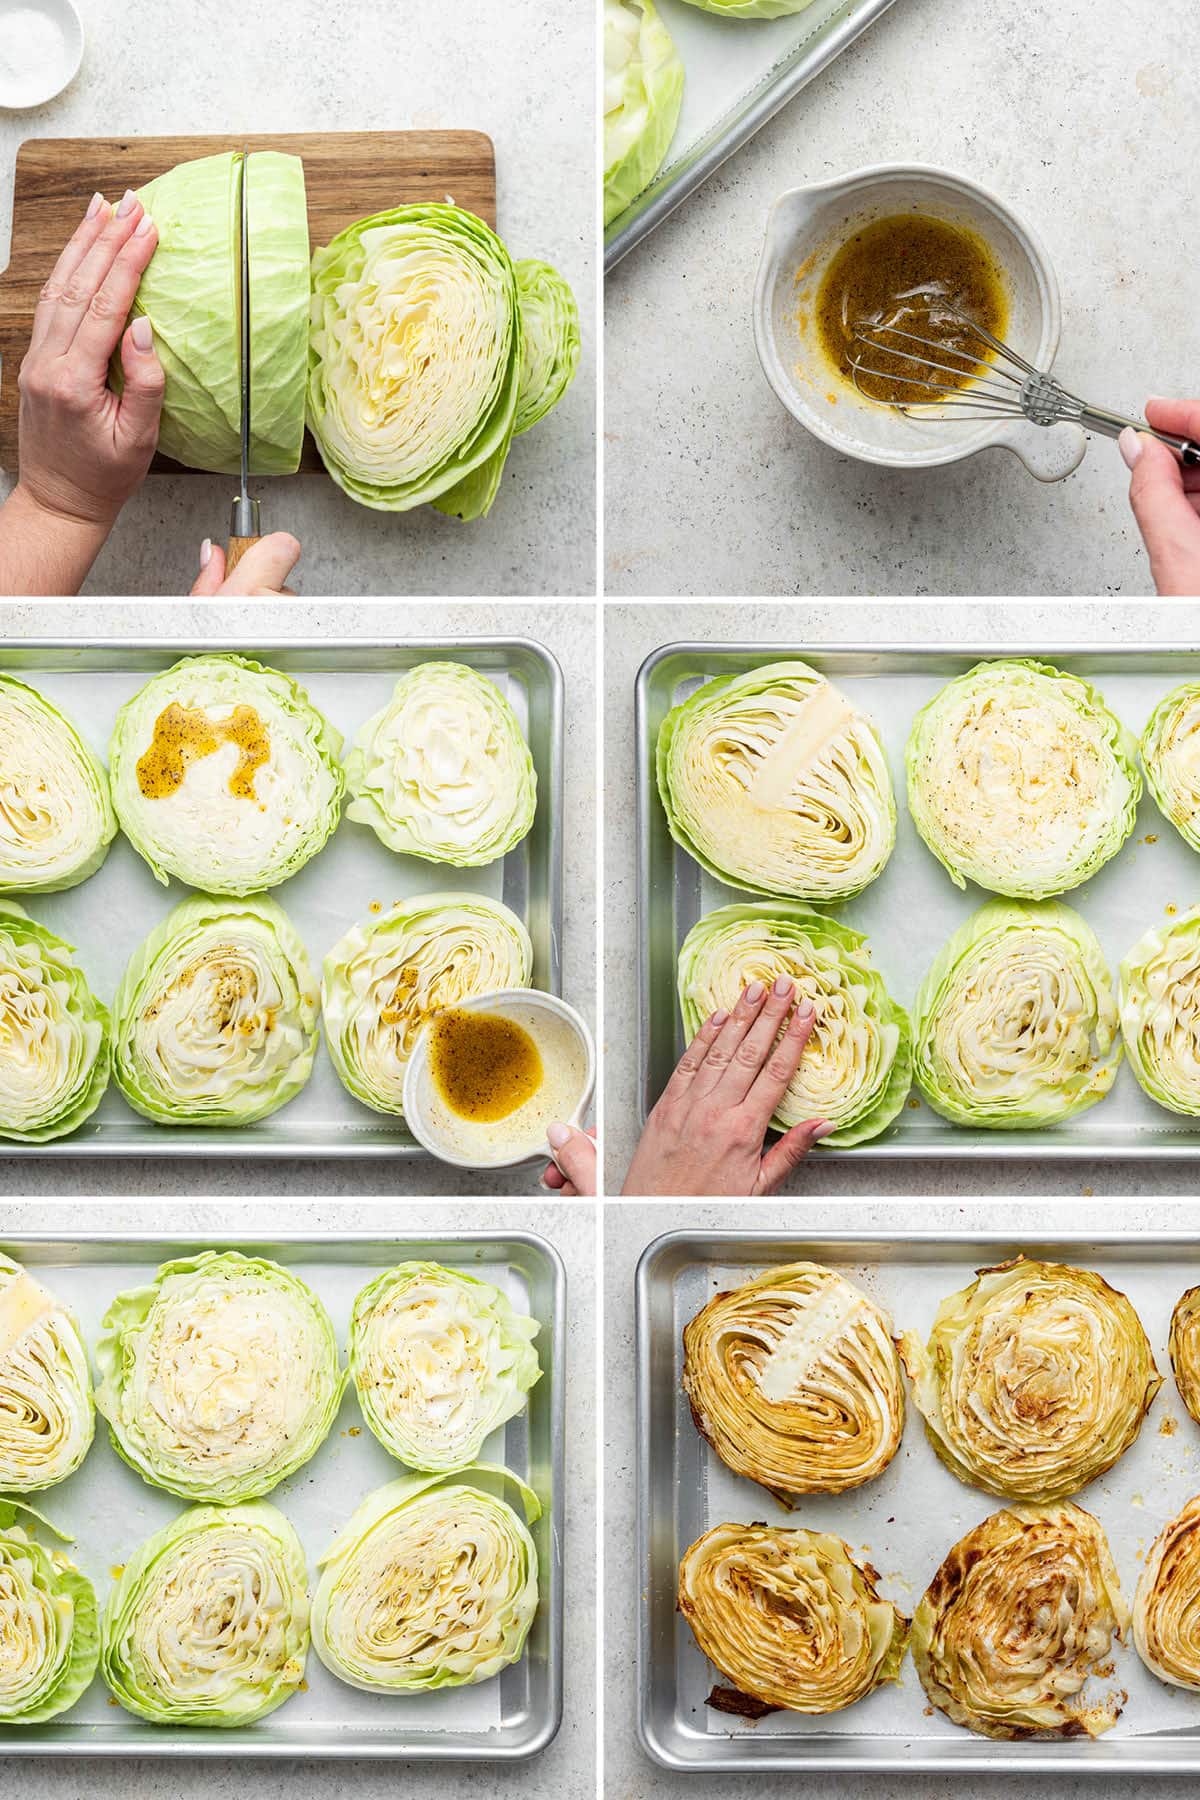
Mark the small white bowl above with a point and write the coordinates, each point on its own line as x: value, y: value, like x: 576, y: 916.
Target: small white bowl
x: 431, y: 1122
x: 42, y: 79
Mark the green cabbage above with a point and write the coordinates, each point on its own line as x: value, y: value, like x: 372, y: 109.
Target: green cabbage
x: 220, y: 1377
x: 1015, y: 1024
x: 443, y: 771
x: 191, y: 294
x: 56, y: 818
x: 550, y: 335
x: 215, y: 1020
x: 1171, y: 759
x: 433, y: 1583
x: 856, y: 1067
x: 47, y: 1418
x: 643, y: 92
x: 49, y: 1629
x: 230, y: 824
x: 208, y: 1622
x: 751, y: 9
x: 54, y: 1053
x: 439, y: 1359
x: 1160, y: 1012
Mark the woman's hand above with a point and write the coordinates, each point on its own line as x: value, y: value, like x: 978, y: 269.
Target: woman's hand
x: 572, y: 1174
x: 1165, y: 496
x: 262, y: 571
x: 706, y: 1134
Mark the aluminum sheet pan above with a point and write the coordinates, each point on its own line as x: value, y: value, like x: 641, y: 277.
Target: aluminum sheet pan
x: 738, y: 75
x: 108, y: 916
x: 111, y: 1511
x: 904, y: 1522
x: 911, y: 910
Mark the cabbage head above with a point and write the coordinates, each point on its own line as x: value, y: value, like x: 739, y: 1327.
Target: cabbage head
x: 49, y: 1622
x: 56, y: 820
x: 643, y: 92
x: 47, y: 1417
x: 54, y: 1034
x: 550, y: 335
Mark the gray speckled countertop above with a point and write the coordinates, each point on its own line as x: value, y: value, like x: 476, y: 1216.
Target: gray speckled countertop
x: 568, y: 631
x: 628, y: 1228
x: 631, y: 633
x: 1077, y: 113
x: 565, y: 1771
x: 523, y: 75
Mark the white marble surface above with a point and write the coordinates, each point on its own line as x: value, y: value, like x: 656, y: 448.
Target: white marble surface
x: 628, y: 1228
x: 566, y: 1767
x: 568, y: 631
x: 631, y: 632
x: 1080, y: 113
x: 519, y: 72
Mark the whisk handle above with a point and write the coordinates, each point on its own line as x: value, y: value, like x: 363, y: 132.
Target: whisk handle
x: 1110, y: 424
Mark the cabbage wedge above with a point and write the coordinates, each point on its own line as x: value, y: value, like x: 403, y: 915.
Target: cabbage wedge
x: 49, y: 1622
x: 56, y: 817
x: 550, y: 338
x: 643, y: 92
x: 1160, y: 1012
x: 54, y: 1034
x: 47, y: 1418
x: 1171, y: 759
x: 1166, y: 1616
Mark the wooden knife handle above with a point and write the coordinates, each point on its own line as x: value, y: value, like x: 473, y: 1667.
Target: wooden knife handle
x: 238, y: 547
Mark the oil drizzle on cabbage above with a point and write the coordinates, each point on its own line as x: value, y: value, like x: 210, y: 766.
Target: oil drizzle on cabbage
x: 183, y: 734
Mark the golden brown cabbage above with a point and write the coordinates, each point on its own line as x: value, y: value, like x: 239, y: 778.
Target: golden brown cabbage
x: 1184, y: 1349
x: 1166, y: 1607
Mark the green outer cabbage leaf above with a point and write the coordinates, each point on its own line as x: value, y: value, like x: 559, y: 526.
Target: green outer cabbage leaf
x: 49, y: 1623
x: 202, y: 833
x: 215, y: 1019
x: 751, y: 9
x: 643, y: 92
x: 1171, y: 759
x: 57, y: 821
x: 439, y: 1359
x: 433, y: 1583
x: 414, y: 359
x: 443, y: 771
x: 857, y: 1067
x: 208, y: 1623
x: 1160, y: 1012
x: 54, y: 1034
x: 47, y: 1415
x: 550, y: 334
x: 1015, y: 1025
x: 220, y: 1377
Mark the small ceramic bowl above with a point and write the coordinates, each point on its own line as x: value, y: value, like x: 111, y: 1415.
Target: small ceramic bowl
x: 34, y: 83
x: 806, y: 228
x: 563, y: 1038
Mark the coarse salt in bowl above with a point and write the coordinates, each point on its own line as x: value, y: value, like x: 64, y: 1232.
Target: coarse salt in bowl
x: 41, y: 48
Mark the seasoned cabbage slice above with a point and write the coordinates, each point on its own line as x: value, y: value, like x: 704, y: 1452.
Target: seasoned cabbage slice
x: 47, y: 1418
x: 49, y: 1626
x: 54, y: 1034
x: 56, y: 817
x: 1160, y: 1012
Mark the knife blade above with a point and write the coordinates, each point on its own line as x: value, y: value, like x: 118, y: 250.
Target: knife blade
x: 245, y: 524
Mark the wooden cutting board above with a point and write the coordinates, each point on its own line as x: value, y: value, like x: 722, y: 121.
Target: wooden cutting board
x: 348, y: 176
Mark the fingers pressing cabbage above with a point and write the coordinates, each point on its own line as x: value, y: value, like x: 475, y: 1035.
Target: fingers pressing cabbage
x: 56, y: 818
x: 443, y: 770
x: 433, y: 1583
x: 643, y: 92
x: 795, y: 1382
x: 49, y: 1630
x: 1016, y: 1026
x: 215, y: 1020
x: 225, y: 775
x: 550, y: 341
x: 776, y: 782
x: 54, y: 1034
x: 46, y: 1413
x: 1020, y: 779
x: 386, y: 979
x: 1020, y: 1615
x: 1034, y: 1381
x: 220, y: 1377
x: 789, y: 1618
x: 439, y: 1360
x: 208, y: 1622
x: 856, y: 1067
x: 1160, y: 1012
x: 1171, y: 759
x: 1166, y: 1606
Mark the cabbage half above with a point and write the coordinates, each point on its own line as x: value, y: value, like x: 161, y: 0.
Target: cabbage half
x: 1171, y: 759
x: 751, y: 9
x: 1020, y: 1615
x: 795, y: 1382
x: 220, y: 1377
x: 1015, y: 1025
x: 643, y: 91
x: 439, y: 1359
x: 56, y: 819
x: 1184, y: 1349
x: 790, y: 1618
x: 49, y: 1625
x: 215, y: 1020
x: 54, y: 1054
x: 225, y: 775
x: 433, y: 1583
x: 191, y: 294
x: 1020, y: 779
x: 1166, y: 1606
x: 1160, y: 1012
x: 208, y: 1622
x: 550, y: 338
x: 443, y: 771
x: 775, y: 782
x: 856, y: 1068
x: 386, y: 979
x: 414, y: 359
x: 1035, y: 1379
x: 46, y: 1413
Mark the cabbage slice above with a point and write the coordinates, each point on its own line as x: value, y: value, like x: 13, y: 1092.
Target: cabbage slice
x: 550, y: 335
x: 56, y: 817
x: 643, y: 92
x: 49, y: 1622
x: 54, y: 1042
x: 47, y: 1416
x: 1160, y: 1012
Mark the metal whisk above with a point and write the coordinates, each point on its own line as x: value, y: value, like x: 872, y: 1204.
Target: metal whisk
x: 1007, y: 387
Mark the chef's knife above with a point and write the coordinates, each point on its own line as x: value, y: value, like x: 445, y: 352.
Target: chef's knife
x: 245, y: 526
